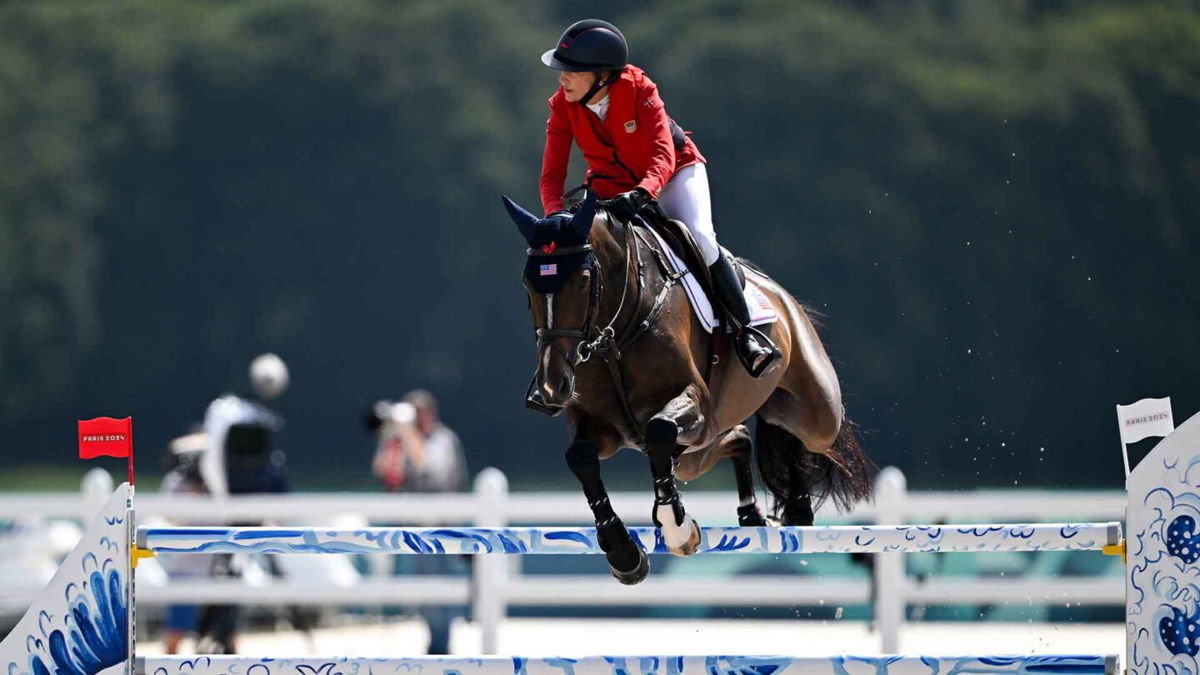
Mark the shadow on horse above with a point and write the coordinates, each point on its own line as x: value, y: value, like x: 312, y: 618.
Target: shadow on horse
x: 620, y: 349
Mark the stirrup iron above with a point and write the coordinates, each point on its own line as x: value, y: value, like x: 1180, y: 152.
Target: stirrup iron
x: 767, y: 361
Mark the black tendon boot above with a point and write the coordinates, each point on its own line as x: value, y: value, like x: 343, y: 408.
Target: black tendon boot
x: 753, y: 347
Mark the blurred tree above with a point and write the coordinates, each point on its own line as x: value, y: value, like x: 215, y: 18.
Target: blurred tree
x: 992, y: 203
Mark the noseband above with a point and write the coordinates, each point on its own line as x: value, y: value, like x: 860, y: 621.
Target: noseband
x: 586, y: 344
x: 603, y: 342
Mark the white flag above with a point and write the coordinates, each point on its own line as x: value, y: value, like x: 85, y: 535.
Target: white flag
x: 1148, y: 417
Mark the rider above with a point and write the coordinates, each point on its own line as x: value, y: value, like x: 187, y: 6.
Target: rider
x: 635, y: 153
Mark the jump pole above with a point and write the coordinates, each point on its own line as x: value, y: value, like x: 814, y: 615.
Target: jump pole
x: 82, y: 624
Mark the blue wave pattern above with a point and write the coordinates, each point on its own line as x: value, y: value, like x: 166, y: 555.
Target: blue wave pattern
x: 582, y: 540
x: 1164, y: 579
x: 632, y: 665
x: 79, y: 624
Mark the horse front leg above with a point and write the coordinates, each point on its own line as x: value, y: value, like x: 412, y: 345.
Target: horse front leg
x: 668, y: 433
x: 626, y: 560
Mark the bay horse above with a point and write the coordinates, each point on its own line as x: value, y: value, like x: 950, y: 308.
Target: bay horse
x: 620, y: 349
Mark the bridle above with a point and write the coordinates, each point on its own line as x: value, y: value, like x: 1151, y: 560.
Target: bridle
x: 588, y: 340
x: 603, y: 342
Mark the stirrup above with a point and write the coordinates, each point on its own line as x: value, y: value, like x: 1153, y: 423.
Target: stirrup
x: 766, y: 361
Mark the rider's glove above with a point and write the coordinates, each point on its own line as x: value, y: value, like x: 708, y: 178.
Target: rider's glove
x: 626, y: 204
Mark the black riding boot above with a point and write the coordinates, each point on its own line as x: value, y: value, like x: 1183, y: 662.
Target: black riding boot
x: 754, y: 348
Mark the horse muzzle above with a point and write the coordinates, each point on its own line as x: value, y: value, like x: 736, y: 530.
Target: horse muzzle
x: 534, y: 400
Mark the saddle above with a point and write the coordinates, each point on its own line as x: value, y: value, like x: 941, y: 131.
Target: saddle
x: 681, y: 241
x: 684, y: 245
x: 704, y: 290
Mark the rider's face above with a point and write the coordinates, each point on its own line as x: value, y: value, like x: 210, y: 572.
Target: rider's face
x: 575, y: 85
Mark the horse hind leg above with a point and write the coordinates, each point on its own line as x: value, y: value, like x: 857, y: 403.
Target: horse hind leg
x: 743, y: 467
x: 737, y: 446
x: 808, y: 454
x: 789, y: 473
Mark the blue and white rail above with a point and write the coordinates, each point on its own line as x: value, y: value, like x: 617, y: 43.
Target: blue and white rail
x: 582, y: 540
x: 635, y: 665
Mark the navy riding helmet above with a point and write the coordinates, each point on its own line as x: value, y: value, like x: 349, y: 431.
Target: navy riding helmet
x: 589, y: 45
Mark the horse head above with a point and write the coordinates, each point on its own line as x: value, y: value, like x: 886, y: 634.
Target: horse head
x: 563, y: 285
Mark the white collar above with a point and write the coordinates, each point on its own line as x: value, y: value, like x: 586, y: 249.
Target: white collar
x: 601, y: 108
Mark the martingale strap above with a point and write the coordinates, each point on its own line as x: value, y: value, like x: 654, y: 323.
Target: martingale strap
x: 614, y: 372
x: 611, y: 352
x: 613, y: 359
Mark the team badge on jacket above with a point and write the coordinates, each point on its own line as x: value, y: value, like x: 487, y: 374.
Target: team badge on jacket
x: 630, y: 126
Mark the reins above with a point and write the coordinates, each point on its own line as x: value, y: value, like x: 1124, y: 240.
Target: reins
x: 605, y: 343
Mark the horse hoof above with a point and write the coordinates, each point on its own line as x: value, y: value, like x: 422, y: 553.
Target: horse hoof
x: 637, y: 574
x: 691, y: 545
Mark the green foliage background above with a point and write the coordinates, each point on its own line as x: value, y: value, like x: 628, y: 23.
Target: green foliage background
x: 993, y: 203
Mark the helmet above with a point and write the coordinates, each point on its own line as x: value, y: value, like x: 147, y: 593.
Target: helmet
x: 589, y: 45
x: 268, y: 375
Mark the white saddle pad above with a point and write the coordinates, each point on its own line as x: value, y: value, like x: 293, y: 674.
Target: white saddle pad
x: 761, y: 309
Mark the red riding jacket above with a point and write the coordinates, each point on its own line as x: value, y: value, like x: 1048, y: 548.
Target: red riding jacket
x: 637, y: 144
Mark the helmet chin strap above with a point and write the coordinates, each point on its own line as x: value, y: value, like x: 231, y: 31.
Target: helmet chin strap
x: 596, y: 87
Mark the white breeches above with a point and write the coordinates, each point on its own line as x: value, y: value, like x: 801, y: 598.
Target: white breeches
x: 685, y: 198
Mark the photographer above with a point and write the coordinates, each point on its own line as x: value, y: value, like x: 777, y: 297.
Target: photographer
x: 417, y: 453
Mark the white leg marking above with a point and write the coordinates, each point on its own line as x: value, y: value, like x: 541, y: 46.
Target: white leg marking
x: 675, y: 536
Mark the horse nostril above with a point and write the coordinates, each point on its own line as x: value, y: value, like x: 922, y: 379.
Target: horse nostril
x: 565, y: 387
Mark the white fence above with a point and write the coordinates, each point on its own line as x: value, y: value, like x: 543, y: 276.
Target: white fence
x: 498, y: 582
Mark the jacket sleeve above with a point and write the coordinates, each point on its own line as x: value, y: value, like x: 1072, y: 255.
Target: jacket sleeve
x: 555, y: 159
x: 653, y: 121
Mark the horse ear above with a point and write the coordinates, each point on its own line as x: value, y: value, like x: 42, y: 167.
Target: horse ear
x: 526, y: 221
x: 581, y: 222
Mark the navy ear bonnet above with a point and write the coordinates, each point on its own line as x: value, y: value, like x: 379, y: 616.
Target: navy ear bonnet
x: 554, y: 244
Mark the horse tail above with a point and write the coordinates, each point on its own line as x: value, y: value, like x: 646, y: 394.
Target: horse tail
x: 801, y: 481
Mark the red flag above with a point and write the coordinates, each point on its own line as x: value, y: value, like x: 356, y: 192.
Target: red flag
x: 105, y: 437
